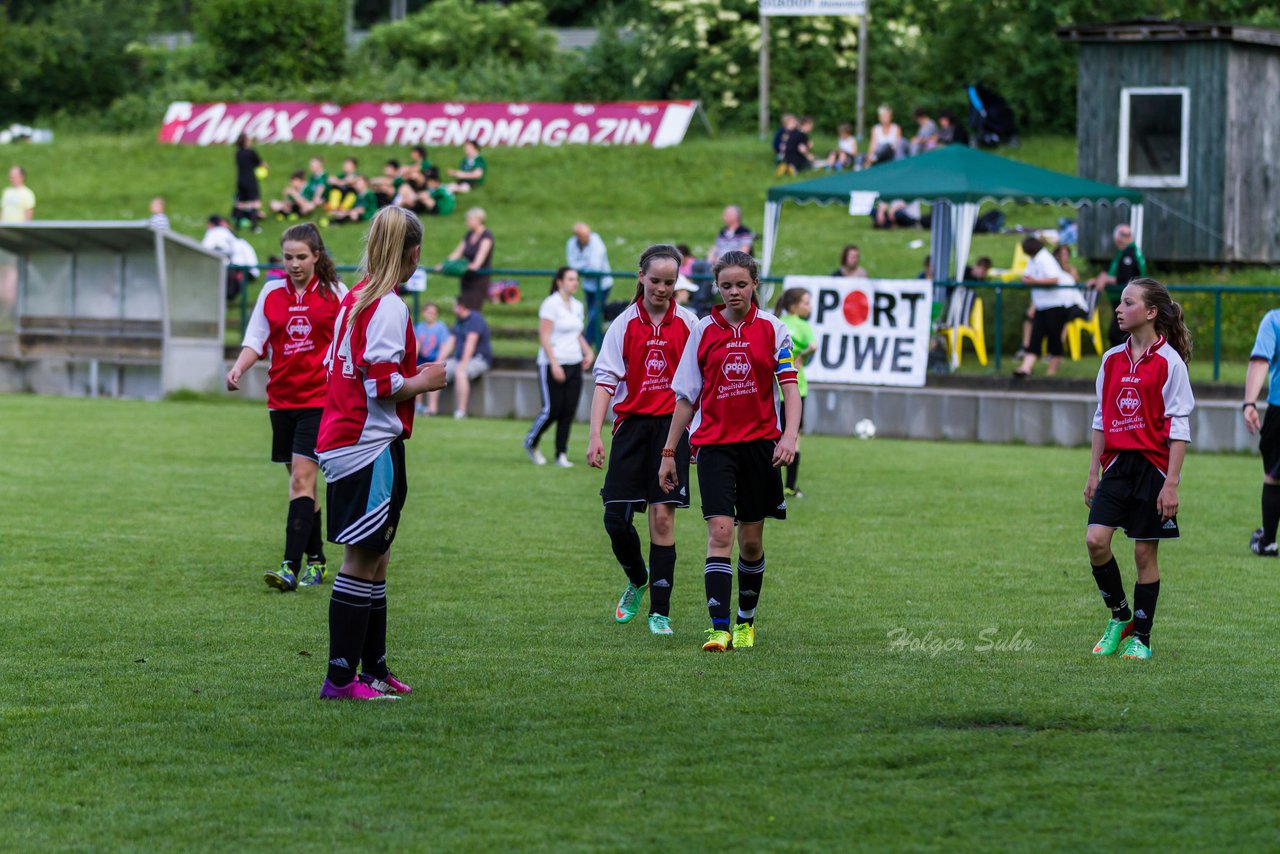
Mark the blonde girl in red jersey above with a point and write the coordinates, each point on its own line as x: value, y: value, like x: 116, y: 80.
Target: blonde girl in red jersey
x: 294, y: 318
x: 1140, y: 434
x: 724, y: 389
x: 634, y: 370
x: 373, y: 378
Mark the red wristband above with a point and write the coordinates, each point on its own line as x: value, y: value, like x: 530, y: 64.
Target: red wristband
x: 668, y: 452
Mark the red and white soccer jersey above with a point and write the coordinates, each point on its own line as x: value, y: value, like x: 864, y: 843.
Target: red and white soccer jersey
x: 638, y: 360
x: 1143, y: 404
x: 368, y: 362
x: 297, y: 328
x: 727, y: 372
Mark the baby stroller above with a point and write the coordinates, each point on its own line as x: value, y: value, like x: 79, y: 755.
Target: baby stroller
x: 991, y: 118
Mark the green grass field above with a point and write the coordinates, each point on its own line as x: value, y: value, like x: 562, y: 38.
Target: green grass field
x: 156, y: 695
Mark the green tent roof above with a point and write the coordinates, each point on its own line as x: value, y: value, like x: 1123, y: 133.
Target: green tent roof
x: 957, y: 173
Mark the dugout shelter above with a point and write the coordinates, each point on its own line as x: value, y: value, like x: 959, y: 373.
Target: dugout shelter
x: 108, y: 308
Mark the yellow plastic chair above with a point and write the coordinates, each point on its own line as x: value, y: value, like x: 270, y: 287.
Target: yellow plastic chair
x: 1091, y: 324
x: 964, y: 320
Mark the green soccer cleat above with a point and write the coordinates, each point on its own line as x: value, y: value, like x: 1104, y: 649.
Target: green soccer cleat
x: 313, y: 574
x: 1117, y: 631
x: 629, y: 604
x: 1136, y: 650
x: 718, y: 640
x: 282, y: 579
x: 660, y: 625
x: 744, y: 636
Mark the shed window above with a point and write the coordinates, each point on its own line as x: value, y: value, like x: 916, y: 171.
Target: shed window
x: 1154, y: 134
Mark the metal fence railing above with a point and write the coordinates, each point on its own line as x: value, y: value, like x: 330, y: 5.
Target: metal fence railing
x: 1198, y: 316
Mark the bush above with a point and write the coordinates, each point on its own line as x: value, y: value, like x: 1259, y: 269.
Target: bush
x: 458, y: 33
x: 273, y: 41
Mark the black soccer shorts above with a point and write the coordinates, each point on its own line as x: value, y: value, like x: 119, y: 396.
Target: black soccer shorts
x: 739, y: 480
x: 1126, y: 498
x: 634, y: 457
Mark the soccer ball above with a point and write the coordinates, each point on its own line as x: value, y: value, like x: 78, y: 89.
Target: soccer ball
x: 261, y: 173
x: 865, y: 429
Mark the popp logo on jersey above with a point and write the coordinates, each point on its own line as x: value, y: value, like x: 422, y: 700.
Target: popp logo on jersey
x: 655, y: 363
x: 299, y: 328
x: 1128, y: 401
x: 736, y: 367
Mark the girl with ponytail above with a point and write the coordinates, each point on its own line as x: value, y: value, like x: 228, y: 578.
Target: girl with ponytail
x: 294, y: 319
x: 373, y: 378
x: 1140, y: 433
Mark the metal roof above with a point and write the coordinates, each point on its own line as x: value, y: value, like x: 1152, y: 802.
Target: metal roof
x: 90, y: 236
x: 1148, y: 30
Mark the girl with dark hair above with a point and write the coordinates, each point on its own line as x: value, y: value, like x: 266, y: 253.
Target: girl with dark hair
x: 562, y: 357
x: 1053, y: 300
x: 373, y: 379
x: 850, y: 263
x: 724, y: 390
x: 247, y: 210
x: 294, y: 319
x: 637, y: 361
x: 794, y: 308
x: 1140, y: 433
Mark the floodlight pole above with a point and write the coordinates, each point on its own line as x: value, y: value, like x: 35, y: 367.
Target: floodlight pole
x: 764, y: 75
x: 862, y: 72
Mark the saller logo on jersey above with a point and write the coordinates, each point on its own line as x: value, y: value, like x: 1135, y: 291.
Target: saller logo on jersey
x: 655, y: 363
x: 299, y: 328
x: 1128, y: 401
x: 736, y: 367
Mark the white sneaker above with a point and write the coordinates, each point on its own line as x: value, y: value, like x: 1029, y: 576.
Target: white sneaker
x: 563, y: 461
x: 458, y: 413
x: 535, y: 456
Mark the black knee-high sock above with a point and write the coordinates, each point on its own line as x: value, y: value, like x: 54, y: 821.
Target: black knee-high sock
x: 662, y: 575
x: 348, y: 620
x: 373, y: 657
x: 1144, y: 609
x: 1112, y: 588
x: 626, y: 544
x: 315, y: 545
x: 1270, y: 512
x: 750, y: 577
x: 298, y: 530
x: 718, y: 578
x: 793, y: 471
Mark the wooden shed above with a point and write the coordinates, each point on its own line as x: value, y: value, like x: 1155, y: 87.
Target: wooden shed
x: 1185, y: 112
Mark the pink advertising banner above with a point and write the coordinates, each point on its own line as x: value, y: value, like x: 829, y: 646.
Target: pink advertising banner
x: 655, y: 123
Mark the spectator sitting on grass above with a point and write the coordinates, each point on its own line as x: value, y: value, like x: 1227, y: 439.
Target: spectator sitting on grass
x: 364, y: 203
x: 897, y: 213
x: 950, y: 131
x: 294, y: 201
x: 471, y: 172
x: 317, y: 183
x: 341, y: 194
x: 926, y: 138
x: 886, y: 138
x: 846, y: 154
x: 979, y: 271
x: 796, y: 154
x: 417, y: 165
x: 407, y: 197
x: 158, y: 220
x: 437, y: 199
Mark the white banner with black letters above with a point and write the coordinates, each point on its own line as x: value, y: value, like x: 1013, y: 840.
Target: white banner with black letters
x: 868, y: 331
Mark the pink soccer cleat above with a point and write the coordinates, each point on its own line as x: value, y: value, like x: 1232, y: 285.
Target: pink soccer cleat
x: 355, y: 690
x: 387, y: 685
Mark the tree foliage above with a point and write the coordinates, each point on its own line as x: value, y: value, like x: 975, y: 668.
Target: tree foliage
x: 455, y: 33
x: 276, y: 41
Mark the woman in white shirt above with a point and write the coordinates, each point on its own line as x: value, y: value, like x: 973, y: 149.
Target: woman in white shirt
x: 563, y: 356
x: 1052, y: 303
x: 886, y: 137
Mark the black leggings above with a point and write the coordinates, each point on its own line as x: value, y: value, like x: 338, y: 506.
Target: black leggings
x: 559, y: 404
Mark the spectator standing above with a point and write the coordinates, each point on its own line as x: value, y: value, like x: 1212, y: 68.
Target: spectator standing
x: 1127, y: 265
x: 248, y: 206
x: 784, y: 130
x: 471, y: 172
x: 158, y: 220
x: 850, y: 264
x: 468, y: 354
x: 17, y: 203
x: 1265, y: 359
x: 476, y: 248
x: 1053, y: 301
x: 562, y: 357
x: 584, y: 251
x: 432, y: 334
x: 797, y: 155
x: 886, y: 137
x: 794, y: 308
x: 734, y: 237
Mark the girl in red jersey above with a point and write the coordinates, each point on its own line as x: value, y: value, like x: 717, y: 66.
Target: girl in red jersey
x: 372, y: 382
x: 724, y: 390
x: 294, y: 317
x: 637, y: 361
x: 1140, y: 434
